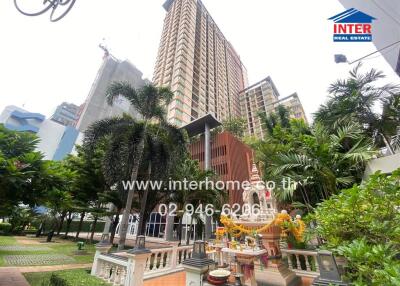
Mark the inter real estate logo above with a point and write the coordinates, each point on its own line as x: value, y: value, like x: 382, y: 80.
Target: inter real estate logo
x: 352, y: 25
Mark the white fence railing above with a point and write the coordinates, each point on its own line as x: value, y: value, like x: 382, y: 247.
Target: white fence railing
x: 166, y: 260
x: 111, y: 268
x: 117, y: 269
x: 302, y: 262
x: 114, y: 268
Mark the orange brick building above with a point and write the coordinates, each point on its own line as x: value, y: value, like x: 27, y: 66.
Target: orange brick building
x: 231, y: 160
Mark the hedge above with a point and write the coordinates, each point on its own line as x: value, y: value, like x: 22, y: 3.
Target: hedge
x: 5, y: 228
x: 86, y: 226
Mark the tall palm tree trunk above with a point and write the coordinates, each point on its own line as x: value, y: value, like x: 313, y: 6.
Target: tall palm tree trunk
x: 127, y: 211
x: 143, y: 203
x: 190, y: 231
x: 180, y: 230
x: 114, y: 225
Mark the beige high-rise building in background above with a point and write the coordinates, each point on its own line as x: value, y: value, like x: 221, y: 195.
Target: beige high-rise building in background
x: 293, y: 104
x: 206, y: 74
x: 263, y: 97
x: 199, y: 65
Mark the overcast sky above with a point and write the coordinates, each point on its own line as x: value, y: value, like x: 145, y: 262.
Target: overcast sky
x: 43, y: 64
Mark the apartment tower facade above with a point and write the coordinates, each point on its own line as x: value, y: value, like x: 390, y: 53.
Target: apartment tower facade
x: 263, y: 97
x: 199, y: 64
x: 96, y: 106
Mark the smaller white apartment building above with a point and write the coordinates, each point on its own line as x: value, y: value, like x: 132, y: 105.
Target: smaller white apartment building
x: 56, y: 140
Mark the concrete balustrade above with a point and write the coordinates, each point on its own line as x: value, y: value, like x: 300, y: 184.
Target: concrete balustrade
x: 123, y: 268
x: 302, y: 262
x: 117, y: 268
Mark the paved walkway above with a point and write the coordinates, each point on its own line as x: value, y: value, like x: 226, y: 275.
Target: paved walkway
x: 151, y: 242
x: 12, y: 277
x: 49, y: 268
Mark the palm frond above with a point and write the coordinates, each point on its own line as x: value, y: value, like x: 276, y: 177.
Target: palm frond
x: 124, y: 89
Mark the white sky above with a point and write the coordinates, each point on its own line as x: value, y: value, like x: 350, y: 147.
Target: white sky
x: 43, y: 64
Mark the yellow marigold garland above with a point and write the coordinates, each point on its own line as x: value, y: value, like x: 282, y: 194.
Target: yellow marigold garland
x: 284, y: 221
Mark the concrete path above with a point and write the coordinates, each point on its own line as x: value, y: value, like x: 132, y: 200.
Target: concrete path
x: 151, y: 242
x: 12, y: 277
x: 49, y: 268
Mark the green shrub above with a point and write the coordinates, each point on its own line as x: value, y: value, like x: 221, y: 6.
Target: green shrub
x: 29, y: 231
x: 371, y: 264
x: 363, y: 224
x: 85, y: 226
x: 76, y: 277
x: 5, y: 228
x: 56, y: 280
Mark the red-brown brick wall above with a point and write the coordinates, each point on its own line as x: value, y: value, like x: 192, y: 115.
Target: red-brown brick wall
x: 231, y: 160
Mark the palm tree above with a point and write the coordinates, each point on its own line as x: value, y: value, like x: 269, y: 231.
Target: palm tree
x: 165, y: 149
x: 354, y: 99
x: 322, y: 162
x: 280, y: 117
x: 127, y: 136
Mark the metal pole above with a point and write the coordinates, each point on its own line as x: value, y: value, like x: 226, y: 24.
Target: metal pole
x: 207, y: 147
x: 207, y: 166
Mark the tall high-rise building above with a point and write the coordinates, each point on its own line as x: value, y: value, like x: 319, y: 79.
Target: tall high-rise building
x: 257, y: 98
x: 96, y: 106
x: 66, y: 114
x: 263, y: 97
x: 199, y: 65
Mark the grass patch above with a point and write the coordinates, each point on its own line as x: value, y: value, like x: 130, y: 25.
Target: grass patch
x: 7, y: 240
x: 61, y: 246
x: 76, y: 277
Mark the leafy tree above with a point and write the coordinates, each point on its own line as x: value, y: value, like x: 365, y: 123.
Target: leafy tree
x: 354, y: 99
x: 362, y: 223
x: 236, y: 126
x: 20, y: 217
x: 25, y: 177
x: 89, y: 184
x: 279, y: 118
x: 317, y: 161
x: 58, y: 194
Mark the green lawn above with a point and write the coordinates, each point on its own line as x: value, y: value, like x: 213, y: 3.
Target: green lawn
x: 59, y: 247
x: 78, y: 277
x: 7, y: 240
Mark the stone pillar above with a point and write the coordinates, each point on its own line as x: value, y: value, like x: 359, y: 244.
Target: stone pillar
x: 101, y: 248
x: 275, y: 273
x: 207, y: 166
x: 106, y: 231
x: 207, y: 147
x: 208, y: 228
x: 136, y: 266
x: 169, y: 228
x: 195, y: 275
x: 198, y: 265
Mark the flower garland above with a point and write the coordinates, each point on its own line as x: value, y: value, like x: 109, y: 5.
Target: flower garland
x: 283, y: 220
